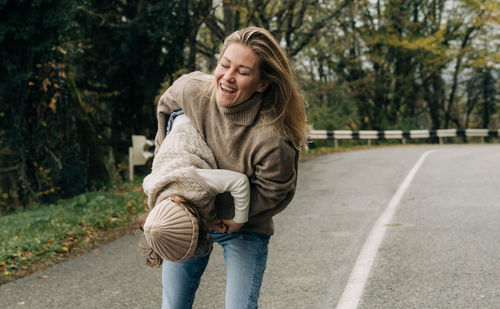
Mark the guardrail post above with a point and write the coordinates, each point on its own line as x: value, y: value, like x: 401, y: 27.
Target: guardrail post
x: 138, y: 154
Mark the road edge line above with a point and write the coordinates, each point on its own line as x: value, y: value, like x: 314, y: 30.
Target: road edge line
x: 355, y: 284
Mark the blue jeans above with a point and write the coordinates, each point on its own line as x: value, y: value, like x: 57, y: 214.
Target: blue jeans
x: 245, y: 254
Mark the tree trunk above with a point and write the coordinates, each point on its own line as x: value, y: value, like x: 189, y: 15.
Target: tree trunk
x: 191, y: 61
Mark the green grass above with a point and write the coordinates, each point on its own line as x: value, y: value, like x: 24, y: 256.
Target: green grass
x: 42, y: 235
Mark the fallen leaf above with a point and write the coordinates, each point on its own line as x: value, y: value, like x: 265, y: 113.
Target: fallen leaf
x: 20, y: 303
x: 44, y: 276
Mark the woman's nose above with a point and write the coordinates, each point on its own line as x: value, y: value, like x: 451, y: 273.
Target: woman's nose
x: 229, y: 75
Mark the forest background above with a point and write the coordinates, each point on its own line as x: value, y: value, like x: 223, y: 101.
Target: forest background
x: 79, y: 77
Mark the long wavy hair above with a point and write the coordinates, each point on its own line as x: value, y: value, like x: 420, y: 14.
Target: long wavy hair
x: 285, y: 105
x: 153, y: 259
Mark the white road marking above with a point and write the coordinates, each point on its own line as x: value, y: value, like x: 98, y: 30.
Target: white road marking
x: 359, y: 275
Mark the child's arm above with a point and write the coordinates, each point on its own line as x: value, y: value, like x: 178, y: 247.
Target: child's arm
x: 236, y: 183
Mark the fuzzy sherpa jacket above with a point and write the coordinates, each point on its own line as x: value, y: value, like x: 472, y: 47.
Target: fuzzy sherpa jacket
x: 174, y: 170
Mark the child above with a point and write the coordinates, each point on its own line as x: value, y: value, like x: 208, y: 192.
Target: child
x: 181, y: 189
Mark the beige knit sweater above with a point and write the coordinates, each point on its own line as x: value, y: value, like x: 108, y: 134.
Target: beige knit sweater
x: 241, y: 141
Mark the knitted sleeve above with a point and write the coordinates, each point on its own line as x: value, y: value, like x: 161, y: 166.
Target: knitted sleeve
x: 183, y: 94
x: 273, y: 184
x: 169, y: 102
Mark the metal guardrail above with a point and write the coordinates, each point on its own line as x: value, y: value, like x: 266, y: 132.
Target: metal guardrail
x: 400, y: 134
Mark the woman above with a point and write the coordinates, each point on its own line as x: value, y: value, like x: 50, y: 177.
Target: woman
x: 251, y: 115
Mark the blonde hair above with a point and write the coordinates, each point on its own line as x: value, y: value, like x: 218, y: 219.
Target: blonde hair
x: 286, y: 104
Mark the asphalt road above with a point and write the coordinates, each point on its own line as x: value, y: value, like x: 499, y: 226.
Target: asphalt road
x: 440, y: 249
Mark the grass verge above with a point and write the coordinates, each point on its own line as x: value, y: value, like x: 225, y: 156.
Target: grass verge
x: 42, y: 235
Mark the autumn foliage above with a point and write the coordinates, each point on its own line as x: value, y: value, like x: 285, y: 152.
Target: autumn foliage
x: 80, y: 77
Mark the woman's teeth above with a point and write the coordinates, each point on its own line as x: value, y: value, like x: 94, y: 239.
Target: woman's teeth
x: 228, y: 89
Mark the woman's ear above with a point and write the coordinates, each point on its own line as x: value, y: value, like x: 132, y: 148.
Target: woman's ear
x: 262, y: 86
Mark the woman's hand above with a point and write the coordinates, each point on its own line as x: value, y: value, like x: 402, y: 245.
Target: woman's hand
x: 232, y: 226
x: 218, y: 226
x: 224, y: 226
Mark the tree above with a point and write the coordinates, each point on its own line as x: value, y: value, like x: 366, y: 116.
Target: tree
x: 81, y: 77
x: 40, y: 139
x: 127, y: 50
x: 482, y: 96
x: 395, y: 57
x: 295, y: 24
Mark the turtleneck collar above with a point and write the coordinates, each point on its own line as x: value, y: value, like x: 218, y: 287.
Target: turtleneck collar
x: 243, y: 114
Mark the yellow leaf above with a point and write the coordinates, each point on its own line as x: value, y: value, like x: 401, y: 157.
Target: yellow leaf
x: 62, y: 50
x: 53, y: 102
x: 65, y: 249
x: 45, y: 83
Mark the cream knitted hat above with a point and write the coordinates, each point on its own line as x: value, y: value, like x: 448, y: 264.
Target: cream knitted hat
x: 172, y: 231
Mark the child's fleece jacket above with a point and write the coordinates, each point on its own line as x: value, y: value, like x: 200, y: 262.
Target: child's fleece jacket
x: 174, y: 170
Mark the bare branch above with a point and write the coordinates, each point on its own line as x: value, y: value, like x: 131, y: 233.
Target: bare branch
x: 212, y: 23
x: 307, y: 37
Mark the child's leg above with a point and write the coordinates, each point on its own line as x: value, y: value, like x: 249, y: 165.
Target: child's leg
x: 181, y: 280
x: 245, y: 254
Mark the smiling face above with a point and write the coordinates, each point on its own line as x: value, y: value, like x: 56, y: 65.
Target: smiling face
x: 237, y: 76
